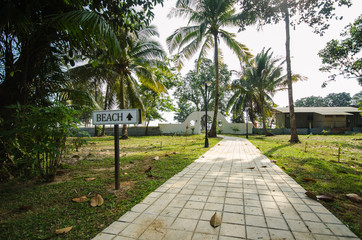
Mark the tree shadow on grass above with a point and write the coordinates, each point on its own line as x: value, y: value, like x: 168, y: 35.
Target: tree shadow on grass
x: 274, y: 149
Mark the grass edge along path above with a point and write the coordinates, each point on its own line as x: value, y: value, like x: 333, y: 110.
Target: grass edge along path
x: 324, y: 165
x: 37, y: 210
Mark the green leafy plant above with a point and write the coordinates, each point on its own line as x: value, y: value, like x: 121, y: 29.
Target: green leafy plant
x: 37, y: 141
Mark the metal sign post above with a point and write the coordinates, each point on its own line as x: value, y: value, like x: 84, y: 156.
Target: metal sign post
x: 117, y: 117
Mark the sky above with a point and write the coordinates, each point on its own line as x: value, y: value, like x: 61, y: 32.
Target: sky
x: 305, y: 46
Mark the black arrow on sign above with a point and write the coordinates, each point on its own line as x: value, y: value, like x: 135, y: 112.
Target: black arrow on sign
x: 129, y: 117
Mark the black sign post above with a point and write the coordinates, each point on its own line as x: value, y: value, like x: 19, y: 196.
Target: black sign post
x: 116, y: 156
x: 116, y: 117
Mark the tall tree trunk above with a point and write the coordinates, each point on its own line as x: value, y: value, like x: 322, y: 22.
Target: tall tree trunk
x: 95, y: 98
x: 212, y: 132
x: 123, y: 106
x: 105, y: 108
x: 266, y: 132
x: 293, y: 125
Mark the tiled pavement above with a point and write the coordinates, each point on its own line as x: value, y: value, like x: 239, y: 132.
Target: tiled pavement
x: 258, y: 203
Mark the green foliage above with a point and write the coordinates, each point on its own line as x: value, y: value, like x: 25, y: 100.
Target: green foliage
x: 206, y: 20
x: 344, y: 55
x: 184, y: 109
x: 338, y: 99
x: 192, y: 90
x: 342, y: 99
x: 37, y: 141
x: 259, y: 81
x: 311, y: 101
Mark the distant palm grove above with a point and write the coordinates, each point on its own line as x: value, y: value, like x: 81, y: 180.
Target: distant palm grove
x: 61, y: 60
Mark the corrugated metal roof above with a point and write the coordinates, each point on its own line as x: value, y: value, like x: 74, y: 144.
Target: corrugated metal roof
x: 321, y: 110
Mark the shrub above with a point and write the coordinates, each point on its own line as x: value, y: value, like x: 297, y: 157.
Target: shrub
x: 37, y: 140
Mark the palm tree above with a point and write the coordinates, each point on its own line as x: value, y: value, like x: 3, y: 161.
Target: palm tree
x: 208, y: 18
x: 123, y: 75
x: 260, y: 80
x: 137, y: 64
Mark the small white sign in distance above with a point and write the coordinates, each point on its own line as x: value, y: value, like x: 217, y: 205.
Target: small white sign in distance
x: 113, y: 117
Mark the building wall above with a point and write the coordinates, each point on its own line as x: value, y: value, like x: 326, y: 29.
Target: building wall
x: 330, y: 121
x: 193, y: 121
x: 280, y: 120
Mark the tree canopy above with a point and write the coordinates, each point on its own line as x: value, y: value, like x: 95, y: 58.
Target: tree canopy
x: 342, y: 99
x: 344, y: 56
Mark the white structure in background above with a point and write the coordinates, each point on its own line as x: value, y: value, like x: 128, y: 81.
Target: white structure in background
x: 192, y: 125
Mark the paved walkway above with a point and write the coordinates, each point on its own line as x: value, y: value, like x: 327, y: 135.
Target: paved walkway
x: 254, y: 197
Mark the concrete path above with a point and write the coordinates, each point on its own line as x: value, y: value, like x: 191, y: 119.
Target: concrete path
x: 254, y: 197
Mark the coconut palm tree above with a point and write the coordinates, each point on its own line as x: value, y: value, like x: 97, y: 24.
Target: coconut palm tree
x: 135, y: 65
x: 207, y: 18
x: 260, y: 80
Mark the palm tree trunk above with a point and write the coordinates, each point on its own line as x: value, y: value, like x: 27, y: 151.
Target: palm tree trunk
x: 266, y: 132
x: 212, y: 132
x: 95, y: 98
x: 105, y: 108
x: 293, y: 125
x: 123, y: 106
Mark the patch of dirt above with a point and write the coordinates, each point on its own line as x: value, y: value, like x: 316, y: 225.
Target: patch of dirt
x: 124, y: 187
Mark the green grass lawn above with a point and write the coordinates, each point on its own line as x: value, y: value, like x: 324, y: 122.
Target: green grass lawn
x: 317, y: 158
x: 30, y: 210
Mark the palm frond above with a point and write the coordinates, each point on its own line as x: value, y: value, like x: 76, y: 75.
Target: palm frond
x: 85, y: 26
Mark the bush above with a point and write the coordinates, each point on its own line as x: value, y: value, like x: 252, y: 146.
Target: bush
x: 37, y: 140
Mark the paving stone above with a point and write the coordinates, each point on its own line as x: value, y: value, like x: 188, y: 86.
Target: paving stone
x: 194, y: 205
x: 308, y: 216
x: 207, y: 214
x: 171, y: 211
x: 317, y: 227
x: 213, y: 206
x: 254, y: 211
x: 277, y: 223
x: 177, y: 234
x: 205, y: 227
x: 297, y: 225
x: 104, y: 236
x: 302, y: 208
x: 115, y: 227
x: 198, y: 198
x: 280, y: 234
x: 269, y: 204
x: 153, y: 233
x: 122, y: 238
x: 232, y: 230
x: 272, y: 212
x: 303, y: 236
x: 341, y: 230
x: 233, y: 208
x: 324, y: 237
x: 252, y: 220
x: 328, y: 218
x: 133, y: 230
x: 204, y: 236
x: 257, y: 233
x: 129, y: 217
x: 184, y: 224
x: 234, y: 218
x: 190, y: 213
x: 252, y: 203
x: 163, y: 222
x: 145, y: 219
x: 213, y: 199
